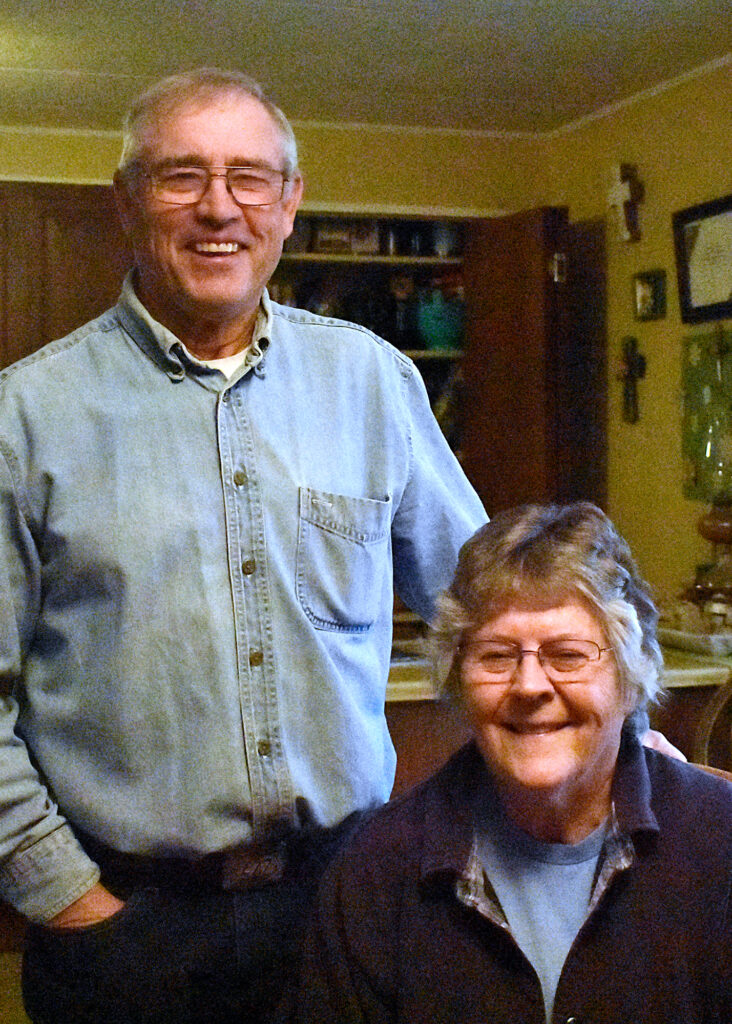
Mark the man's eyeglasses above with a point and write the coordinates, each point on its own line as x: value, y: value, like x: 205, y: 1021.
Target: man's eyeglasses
x: 185, y: 186
x: 563, y: 661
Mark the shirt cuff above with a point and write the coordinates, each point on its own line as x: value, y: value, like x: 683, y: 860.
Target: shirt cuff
x: 43, y: 879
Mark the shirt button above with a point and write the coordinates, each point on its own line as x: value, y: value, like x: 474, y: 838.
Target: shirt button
x: 256, y: 658
x: 240, y: 478
x: 248, y: 567
x: 264, y: 748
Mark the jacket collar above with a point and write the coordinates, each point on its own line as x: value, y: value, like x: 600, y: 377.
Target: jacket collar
x: 449, y: 799
x: 631, y: 790
x: 448, y: 815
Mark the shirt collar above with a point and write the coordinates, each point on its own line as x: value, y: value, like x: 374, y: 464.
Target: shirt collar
x: 172, y: 349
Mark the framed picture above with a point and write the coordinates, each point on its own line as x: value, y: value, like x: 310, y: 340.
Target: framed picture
x: 703, y: 242
x: 649, y: 295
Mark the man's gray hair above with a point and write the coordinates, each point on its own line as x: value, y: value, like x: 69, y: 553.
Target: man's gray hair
x: 549, y: 554
x: 191, y: 87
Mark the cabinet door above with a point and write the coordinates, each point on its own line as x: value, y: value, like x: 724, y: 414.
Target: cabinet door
x: 63, y: 259
x: 533, y: 416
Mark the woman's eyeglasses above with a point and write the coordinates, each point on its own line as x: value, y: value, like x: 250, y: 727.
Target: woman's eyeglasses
x: 563, y: 661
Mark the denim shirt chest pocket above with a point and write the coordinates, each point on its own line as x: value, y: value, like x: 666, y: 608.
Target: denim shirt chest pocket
x: 342, y: 556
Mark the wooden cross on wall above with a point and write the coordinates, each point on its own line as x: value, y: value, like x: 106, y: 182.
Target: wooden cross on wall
x: 633, y: 369
x: 624, y: 196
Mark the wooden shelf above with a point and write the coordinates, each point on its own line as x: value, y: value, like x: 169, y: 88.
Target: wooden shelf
x: 407, y: 616
x: 368, y: 258
x: 433, y: 353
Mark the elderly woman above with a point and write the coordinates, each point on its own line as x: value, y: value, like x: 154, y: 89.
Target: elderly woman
x: 554, y: 869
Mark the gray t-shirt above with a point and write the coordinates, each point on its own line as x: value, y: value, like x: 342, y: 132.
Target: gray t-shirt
x: 543, y: 888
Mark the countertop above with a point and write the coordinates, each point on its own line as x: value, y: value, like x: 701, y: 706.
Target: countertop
x: 409, y: 677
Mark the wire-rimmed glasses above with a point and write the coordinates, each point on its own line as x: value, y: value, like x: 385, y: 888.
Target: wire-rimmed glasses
x: 185, y: 185
x: 563, y: 661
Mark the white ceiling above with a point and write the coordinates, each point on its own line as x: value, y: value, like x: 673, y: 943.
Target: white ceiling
x: 491, y: 65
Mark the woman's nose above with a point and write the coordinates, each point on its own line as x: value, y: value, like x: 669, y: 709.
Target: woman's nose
x: 529, y: 674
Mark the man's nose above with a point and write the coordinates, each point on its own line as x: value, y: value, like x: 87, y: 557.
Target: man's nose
x: 217, y: 201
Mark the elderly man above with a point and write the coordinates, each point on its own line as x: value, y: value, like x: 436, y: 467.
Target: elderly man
x: 206, y: 501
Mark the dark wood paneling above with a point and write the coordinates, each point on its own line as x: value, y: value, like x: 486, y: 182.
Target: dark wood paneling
x: 425, y: 733
x: 534, y: 411
x: 64, y: 258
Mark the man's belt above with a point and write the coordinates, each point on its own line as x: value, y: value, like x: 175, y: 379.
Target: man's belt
x: 245, y: 867
x: 248, y: 866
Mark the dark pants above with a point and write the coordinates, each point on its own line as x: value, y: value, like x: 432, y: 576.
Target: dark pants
x: 179, y: 957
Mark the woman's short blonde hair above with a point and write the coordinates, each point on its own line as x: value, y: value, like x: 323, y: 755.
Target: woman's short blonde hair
x: 548, y: 554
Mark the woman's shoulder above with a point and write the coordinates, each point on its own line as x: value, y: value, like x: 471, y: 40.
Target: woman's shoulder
x: 687, y: 794
x: 685, y: 773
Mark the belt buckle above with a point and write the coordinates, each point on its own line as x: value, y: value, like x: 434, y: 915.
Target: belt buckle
x: 248, y: 867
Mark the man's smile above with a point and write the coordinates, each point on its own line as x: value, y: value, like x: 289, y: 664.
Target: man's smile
x: 217, y: 248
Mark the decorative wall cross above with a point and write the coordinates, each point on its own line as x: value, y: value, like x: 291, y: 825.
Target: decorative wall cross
x: 624, y: 196
x: 633, y: 369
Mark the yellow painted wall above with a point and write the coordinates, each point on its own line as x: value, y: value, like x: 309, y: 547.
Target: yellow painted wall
x: 357, y: 167
x: 349, y: 167
x: 11, y: 1003
x: 681, y: 141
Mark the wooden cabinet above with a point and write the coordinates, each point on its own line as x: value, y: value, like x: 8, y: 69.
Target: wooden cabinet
x: 62, y: 259
x: 695, y: 715
x: 534, y: 409
x: 425, y: 733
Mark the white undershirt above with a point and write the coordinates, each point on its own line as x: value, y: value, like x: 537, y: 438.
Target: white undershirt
x: 228, y: 365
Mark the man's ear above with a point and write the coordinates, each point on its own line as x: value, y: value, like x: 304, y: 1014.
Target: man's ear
x: 292, y: 203
x: 124, y: 200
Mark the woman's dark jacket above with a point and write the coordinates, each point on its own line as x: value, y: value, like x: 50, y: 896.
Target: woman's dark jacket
x: 392, y: 941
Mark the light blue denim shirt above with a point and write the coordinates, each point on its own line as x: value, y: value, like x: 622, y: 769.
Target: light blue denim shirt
x: 196, y: 586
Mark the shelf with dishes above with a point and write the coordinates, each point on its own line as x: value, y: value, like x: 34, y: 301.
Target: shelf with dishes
x: 418, y: 307
x: 400, y: 278
x: 376, y: 238
x: 410, y: 676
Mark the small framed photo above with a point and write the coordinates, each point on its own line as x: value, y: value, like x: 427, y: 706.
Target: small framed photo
x: 649, y: 295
